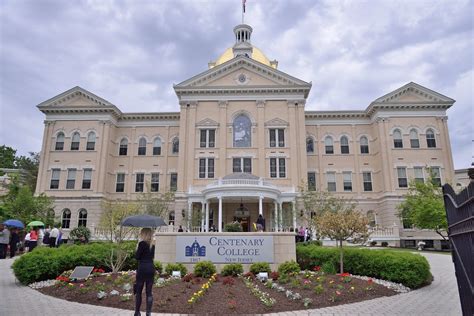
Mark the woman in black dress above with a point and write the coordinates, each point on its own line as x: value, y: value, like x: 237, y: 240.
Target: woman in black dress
x: 146, y: 270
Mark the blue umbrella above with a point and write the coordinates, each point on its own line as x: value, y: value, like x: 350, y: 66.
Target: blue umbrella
x: 143, y: 221
x: 14, y: 223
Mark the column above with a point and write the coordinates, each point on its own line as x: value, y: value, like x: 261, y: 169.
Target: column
x: 260, y: 205
x: 280, y: 216
x: 275, y: 215
x: 207, y: 215
x: 203, y: 214
x: 220, y: 215
x: 293, y: 209
x: 190, y: 208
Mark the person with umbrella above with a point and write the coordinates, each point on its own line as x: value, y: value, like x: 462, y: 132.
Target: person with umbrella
x: 14, y: 240
x: 4, y: 240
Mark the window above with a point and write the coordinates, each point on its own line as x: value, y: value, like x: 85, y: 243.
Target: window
x: 430, y: 139
x: 309, y: 145
x: 331, y: 180
x: 173, y: 182
x: 311, y: 181
x: 277, y: 170
x: 139, y: 182
x: 435, y: 175
x: 328, y: 144
x: 120, y: 185
x: 66, y: 218
x: 397, y: 139
x: 123, y: 147
x: 371, y: 218
x: 155, y: 182
x: 90, y: 141
x: 242, y: 165
x: 82, y: 218
x: 402, y: 177
x: 55, y: 173
x: 367, y: 178
x: 175, y: 146
x: 347, y: 181
x: 157, y: 147
x: 171, y: 218
x: 364, y: 145
x: 344, y: 145
x: 207, y: 138
x: 206, y: 168
x: 142, y: 146
x: 277, y: 137
x: 59, y: 141
x: 419, y: 177
x: 86, y: 179
x: 71, y: 179
x: 75, y: 141
x: 242, y: 131
x: 414, y: 141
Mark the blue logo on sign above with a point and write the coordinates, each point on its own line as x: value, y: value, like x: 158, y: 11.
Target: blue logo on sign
x: 195, y: 250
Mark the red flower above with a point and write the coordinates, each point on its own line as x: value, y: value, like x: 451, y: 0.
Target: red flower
x: 370, y: 281
x: 317, y: 268
x: 345, y: 274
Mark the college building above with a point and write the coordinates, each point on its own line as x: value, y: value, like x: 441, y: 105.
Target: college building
x: 243, y: 144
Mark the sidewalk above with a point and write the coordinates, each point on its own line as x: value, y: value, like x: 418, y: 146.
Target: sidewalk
x: 439, y: 298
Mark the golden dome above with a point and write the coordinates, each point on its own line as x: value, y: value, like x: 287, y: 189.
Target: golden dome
x: 257, y: 55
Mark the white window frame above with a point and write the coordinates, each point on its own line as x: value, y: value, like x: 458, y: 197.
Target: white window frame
x: 206, y: 143
x: 279, y: 173
x: 155, y: 180
x: 346, y: 180
x: 279, y: 133
x: 364, y: 181
x: 207, y: 173
x: 405, y: 185
x: 139, y: 185
x: 328, y: 175
x: 54, y: 172
x: 242, y: 164
x: 418, y: 179
x: 71, y: 179
x: 120, y: 176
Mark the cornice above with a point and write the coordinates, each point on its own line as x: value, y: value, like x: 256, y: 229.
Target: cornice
x: 164, y: 116
x: 411, y: 106
x: 239, y: 91
x: 79, y: 110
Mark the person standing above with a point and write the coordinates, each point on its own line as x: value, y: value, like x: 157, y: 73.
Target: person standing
x: 53, y: 237
x: 146, y: 270
x: 180, y: 229
x: 260, y: 223
x: 4, y: 241
x: 14, y: 240
x: 33, y: 239
x: 301, y: 234
x: 27, y: 242
x: 59, y: 240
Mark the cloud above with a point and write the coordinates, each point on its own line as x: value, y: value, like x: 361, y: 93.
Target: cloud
x: 131, y: 53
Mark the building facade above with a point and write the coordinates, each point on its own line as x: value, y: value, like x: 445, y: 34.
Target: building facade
x: 241, y: 145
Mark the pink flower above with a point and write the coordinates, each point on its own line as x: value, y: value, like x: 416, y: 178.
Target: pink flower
x: 338, y: 293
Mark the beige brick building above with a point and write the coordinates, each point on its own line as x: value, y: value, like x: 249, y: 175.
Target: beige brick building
x: 243, y: 136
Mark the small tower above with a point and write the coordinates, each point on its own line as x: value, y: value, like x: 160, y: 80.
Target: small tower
x: 242, y: 44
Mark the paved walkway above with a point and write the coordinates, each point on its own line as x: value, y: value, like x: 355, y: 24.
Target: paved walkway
x: 439, y: 298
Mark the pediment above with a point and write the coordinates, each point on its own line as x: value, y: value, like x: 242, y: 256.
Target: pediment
x: 76, y: 97
x: 207, y: 123
x: 276, y: 122
x: 227, y: 74
x: 413, y: 93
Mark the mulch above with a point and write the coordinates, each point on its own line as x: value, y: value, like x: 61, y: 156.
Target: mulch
x: 221, y: 298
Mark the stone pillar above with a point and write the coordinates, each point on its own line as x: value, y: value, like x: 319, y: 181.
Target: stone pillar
x: 260, y: 205
x: 275, y: 216
x: 190, y: 208
x: 220, y: 215
x: 203, y: 214
x: 280, y: 216
x: 293, y: 209
x: 207, y: 216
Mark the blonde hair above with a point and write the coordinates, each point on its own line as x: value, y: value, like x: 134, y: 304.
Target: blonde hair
x: 146, y: 234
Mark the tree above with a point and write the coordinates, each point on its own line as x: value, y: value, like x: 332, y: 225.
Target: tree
x: 342, y: 223
x: 7, y: 157
x: 155, y: 203
x: 112, y: 215
x: 29, y: 168
x: 423, y: 207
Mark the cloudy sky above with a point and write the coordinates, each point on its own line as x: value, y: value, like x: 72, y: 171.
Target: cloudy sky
x: 131, y: 52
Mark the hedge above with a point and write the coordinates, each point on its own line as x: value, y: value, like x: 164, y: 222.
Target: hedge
x: 412, y: 270
x: 46, y: 263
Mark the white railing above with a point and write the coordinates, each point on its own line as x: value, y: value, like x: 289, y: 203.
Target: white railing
x: 240, y: 182
x: 391, y: 232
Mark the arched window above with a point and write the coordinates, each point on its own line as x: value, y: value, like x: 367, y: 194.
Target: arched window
x: 175, y: 146
x: 372, y: 219
x: 66, y: 218
x: 90, y: 141
x: 75, y: 141
x: 123, y: 147
x: 82, y: 219
x: 414, y: 141
x: 59, y: 141
x: 142, y: 146
x: 242, y: 131
x: 309, y: 145
x: 430, y: 139
x: 171, y: 218
x: 344, y: 145
x: 157, y: 147
x: 328, y: 144
x: 397, y: 139
x: 364, y: 145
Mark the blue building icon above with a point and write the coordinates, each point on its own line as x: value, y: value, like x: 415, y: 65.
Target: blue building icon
x: 195, y: 250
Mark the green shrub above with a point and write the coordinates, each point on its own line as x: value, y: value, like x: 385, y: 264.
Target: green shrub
x: 233, y: 227
x: 158, y: 266
x: 48, y: 263
x: 258, y: 267
x: 312, y: 243
x: 80, y: 235
x: 289, y: 267
x: 412, y: 270
x: 232, y: 269
x: 204, y: 269
x: 170, y: 267
x: 329, y: 268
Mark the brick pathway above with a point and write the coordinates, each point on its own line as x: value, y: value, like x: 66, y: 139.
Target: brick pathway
x: 439, y: 298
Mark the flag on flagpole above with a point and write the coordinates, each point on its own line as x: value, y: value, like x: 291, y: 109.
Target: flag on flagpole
x: 243, y: 5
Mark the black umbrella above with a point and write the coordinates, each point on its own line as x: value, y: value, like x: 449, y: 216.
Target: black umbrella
x: 143, y: 221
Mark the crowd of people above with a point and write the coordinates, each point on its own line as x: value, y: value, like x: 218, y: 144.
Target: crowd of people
x: 14, y: 240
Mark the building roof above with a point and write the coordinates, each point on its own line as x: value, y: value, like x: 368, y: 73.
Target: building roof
x: 257, y: 55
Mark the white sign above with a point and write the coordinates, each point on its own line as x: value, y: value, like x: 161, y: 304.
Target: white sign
x: 224, y: 249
